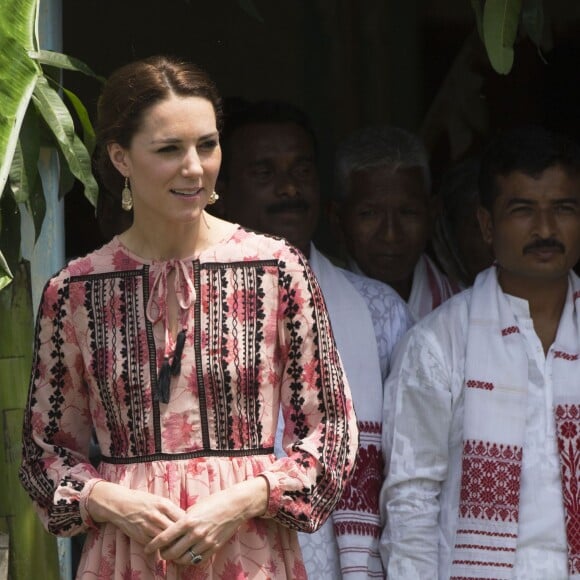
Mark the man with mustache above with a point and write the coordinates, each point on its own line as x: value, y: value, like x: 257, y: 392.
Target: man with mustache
x: 484, y: 435
x: 269, y: 182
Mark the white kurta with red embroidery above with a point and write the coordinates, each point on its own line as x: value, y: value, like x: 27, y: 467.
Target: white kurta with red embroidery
x: 429, y: 290
x: 425, y: 434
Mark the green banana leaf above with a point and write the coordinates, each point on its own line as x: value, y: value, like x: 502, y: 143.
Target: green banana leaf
x: 5, y: 272
x: 18, y: 74
x: 50, y: 106
x: 24, y: 85
x: 24, y: 169
x: 533, y: 21
x: 500, y: 28
x: 83, y: 116
x: 63, y: 61
x: 9, y: 233
x: 32, y: 117
x: 33, y: 552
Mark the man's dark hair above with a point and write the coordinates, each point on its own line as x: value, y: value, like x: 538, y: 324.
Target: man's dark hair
x: 530, y: 150
x: 239, y: 113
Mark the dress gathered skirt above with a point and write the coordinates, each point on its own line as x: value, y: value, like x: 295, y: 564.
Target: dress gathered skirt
x: 260, y: 549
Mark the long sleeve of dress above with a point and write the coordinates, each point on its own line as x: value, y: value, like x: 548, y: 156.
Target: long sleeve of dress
x: 416, y: 429
x: 55, y: 469
x: 320, y: 436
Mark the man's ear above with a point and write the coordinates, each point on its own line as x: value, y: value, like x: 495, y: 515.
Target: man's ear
x: 485, y: 220
x: 118, y: 157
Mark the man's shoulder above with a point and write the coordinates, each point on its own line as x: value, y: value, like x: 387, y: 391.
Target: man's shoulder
x: 448, y: 321
x: 371, y: 287
x: 439, y: 337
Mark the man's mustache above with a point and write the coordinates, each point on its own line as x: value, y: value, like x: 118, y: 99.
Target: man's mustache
x: 287, y: 205
x: 545, y: 244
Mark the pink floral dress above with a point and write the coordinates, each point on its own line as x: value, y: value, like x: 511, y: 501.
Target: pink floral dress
x: 183, y: 425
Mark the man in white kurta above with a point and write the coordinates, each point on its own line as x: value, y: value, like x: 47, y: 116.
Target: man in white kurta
x: 270, y: 184
x: 482, y: 425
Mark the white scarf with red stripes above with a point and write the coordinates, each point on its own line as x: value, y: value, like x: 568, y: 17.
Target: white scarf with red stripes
x: 430, y: 288
x: 496, y: 382
x: 356, y: 519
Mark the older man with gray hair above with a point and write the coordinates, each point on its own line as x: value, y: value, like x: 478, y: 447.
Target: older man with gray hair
x: 386, y: 213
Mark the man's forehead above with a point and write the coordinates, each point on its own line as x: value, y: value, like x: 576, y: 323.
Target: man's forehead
x: 385, y: 180
x: 552, y: 179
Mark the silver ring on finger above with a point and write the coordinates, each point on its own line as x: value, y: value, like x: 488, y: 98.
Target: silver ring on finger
x: 195, y: 558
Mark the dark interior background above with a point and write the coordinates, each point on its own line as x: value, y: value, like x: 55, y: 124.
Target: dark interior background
x: 348, y: 63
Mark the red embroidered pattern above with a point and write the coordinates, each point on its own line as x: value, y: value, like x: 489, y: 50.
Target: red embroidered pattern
x: 476, y: 563
x: 465, y: 578
x: 486, y: 533
x: 490, y: 483
x: 576, y: 295
x: 480, y: 385
x: 357, y: 528
x: 362, y: 492
x: 568, y: 432
x: 483, y: 547
x: 509, y: 330
x: 369, y: 427
x: 565, y: 355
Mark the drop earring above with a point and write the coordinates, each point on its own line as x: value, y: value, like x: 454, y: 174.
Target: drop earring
x: 126, y: 196
x: 212, y: 198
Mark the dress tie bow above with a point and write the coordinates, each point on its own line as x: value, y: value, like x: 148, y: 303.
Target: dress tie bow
x: 157, y: 310
x: 182, y: 285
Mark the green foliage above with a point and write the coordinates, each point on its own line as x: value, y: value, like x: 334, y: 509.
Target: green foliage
x: 33, y: 552
x: 32, y: 116
x: 500, y: 22
x: 533, y: 20
x: 500, y: 28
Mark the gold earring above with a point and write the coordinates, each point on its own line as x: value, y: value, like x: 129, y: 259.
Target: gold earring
x: 126, y: 197
x: 212, y: 198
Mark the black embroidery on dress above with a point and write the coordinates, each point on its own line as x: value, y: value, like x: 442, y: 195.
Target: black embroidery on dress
x: 254, y: 398
x: 217, y: 328
x: 99, y: 344
x: 64, y: 516
x: 198, y: 360
x: 294, y: 368
x: 235, y: 327
x: 152, y: 355
x: 132, y: 359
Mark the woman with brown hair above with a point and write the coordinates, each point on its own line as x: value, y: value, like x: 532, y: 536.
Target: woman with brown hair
x: 177, y: 343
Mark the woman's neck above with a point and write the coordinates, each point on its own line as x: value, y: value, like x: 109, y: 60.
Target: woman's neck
x: 160, y: 242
